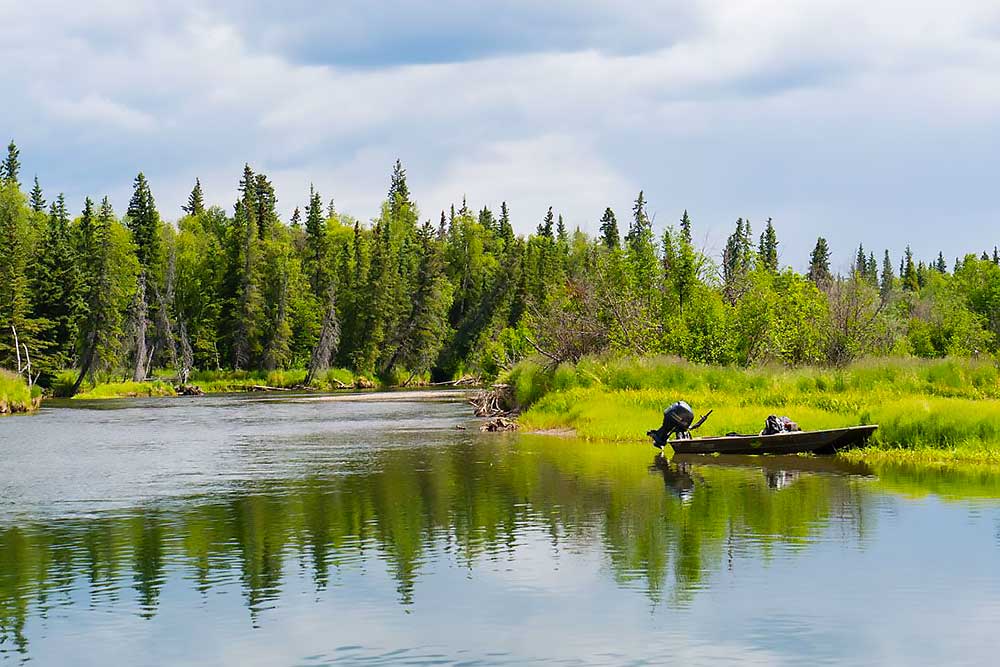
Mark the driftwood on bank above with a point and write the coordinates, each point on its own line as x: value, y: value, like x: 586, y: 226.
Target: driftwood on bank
x: 498, y: 424
x: 497, y: 401
x: 464, y: 381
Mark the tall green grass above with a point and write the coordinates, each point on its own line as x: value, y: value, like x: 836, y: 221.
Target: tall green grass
x: 944, y: 405
x: 15, y: 394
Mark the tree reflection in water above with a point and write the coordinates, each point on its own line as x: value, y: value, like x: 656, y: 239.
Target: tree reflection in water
x: 467, y: 501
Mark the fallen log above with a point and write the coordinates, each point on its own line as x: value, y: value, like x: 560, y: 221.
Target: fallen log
x: 497, y: 401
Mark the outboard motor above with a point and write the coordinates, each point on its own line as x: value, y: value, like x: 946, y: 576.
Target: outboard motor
x: 676, y: 419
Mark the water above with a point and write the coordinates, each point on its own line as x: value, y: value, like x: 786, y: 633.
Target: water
x: 301, y: 531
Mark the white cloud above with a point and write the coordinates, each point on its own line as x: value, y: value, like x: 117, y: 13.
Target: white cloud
x: 755, y: 107
x: 94, y: 110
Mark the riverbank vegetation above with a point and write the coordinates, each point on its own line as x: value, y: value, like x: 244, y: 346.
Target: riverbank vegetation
x: 401, y: 297
x: 15, y: 394
x: 928, y: 410
x: 213, y: 382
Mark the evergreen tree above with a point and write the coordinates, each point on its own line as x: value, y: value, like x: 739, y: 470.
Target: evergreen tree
x: 57, y: 303
x: 685, y: 275
x: 144, y: 223
x: 908, y: 274
x: 819, y: 263
x: 196, y: 200
x: 399, y: 192
x: 860, y: 262
x: 941, y: 265
x: 486, y: 219
x: 506, y: 230
x: 872, y: 270
x: 331, y: 210
x: 11, y: 166
x: 767, y: 251
x: 101, y: 328
x: 37, y: 200
x: 14, y: 287
x: 317, y: 249
x: 422, y: 333
x: 737, y: 259
x: 885, y: 286
x: 266, y: 202
x: 545, y: 227
x: 609, y: 230
x: 296, y: 218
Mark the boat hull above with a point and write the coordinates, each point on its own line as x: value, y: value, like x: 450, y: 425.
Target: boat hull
x: 797, y: 442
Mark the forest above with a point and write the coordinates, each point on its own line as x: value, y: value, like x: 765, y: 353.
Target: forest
x: 98, y: 296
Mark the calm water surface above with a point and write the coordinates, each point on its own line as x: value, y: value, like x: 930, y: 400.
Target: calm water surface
x: 307, y: 531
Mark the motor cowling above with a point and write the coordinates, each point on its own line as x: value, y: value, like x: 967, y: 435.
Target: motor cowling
x: 676, y: 419
x: 679, y: 415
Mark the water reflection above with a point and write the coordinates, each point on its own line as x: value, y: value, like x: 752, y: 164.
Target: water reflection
x: 471, y: 499
x: 663, y: 530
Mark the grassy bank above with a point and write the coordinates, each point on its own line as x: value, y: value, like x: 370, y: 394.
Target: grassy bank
x: 15, y: 394
x: 930, y: 411
x: 214, y: 382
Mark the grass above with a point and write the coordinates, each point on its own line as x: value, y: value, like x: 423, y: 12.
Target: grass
x: 213, y: 382
x: 15, y: 394
x: 127, y: 390
x: 935, y: 411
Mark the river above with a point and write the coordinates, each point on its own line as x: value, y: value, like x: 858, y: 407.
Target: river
x: 385, y: 529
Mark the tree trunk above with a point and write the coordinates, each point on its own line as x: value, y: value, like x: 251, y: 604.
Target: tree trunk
x: 329, y: 337
x: 139, y: 313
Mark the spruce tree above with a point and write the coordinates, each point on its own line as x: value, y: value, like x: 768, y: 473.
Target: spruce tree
x: 316, y: 263
x: 767, y: 250
x: 609, y: 230
x: 11, y: 166
x: 196, y: 200
x: 486, y: 219
x: 686, y: 230
x: 57, y: 303
x: 423, y: 331
x: 331, y: 210
x: 144, y: 223
x: 399, y: 191
x: 545, y: 227
x: 860, y: 267
x: 266, y: 206
x: 14, y: 286
x: 941, y: 265
x: 737, y: 259
x: 911, y: 282
x: 885, y: 286
x: 296, y: 218
x: 37, y: 199
x: 872, y: 270
x: 506, y: 230
x: 819, y: 263
x: 101, y: 328
x: 685, y: 274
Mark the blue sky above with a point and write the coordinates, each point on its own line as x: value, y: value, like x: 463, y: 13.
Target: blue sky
x: 858, y: 121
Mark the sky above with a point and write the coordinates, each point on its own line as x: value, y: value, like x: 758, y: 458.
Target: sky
x: 860, y: 121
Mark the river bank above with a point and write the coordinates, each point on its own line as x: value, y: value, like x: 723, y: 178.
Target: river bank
x: 940, y: 411
x: 215, y: 382
x: 15, y: 395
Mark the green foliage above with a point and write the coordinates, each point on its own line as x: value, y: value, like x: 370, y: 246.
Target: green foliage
x: 950, y: 404
x: 15, y: 395
x: 397, y: 299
